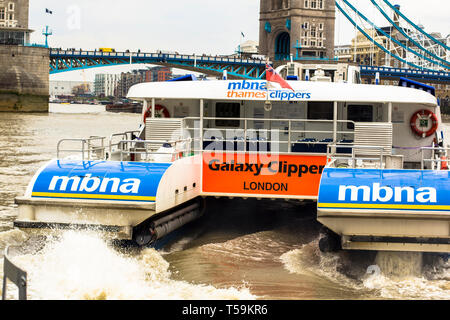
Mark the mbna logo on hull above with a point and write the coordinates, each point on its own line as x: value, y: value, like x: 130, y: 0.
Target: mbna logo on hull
x: 91, y: 184
x: 378, y: 193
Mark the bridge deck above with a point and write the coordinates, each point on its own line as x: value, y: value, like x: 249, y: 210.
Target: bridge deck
x: 244, y: 68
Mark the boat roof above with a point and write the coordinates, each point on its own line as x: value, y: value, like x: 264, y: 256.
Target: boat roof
x: 257, y: 91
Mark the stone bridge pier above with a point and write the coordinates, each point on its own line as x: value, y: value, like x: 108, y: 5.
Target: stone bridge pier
x: 24, y: 79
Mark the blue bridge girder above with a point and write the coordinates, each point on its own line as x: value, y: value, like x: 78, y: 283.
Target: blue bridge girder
x: 396, y: 73
x: 237, y: 68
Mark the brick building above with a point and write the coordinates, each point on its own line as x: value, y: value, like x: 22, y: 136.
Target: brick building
x: 129, y: 79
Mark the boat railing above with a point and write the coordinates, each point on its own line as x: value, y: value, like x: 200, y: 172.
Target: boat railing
x: 92, y: 148
x: 438, y: 158
x: 145, y: 150
x: 351, y: 155
x: 293, y: 132
x: 116, y: 138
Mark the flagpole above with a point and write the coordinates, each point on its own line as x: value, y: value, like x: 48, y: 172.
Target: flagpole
x: 47, y: 32
x: 267, y: 103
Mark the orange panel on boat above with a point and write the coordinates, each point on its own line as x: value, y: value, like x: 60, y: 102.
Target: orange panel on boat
x: 262, y: 174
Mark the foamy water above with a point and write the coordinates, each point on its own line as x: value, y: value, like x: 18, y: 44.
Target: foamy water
x: 394, y: 275
x: 246, y: 250
x: 79, y: 266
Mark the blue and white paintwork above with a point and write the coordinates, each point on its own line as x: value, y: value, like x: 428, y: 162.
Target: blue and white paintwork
x: 99, y: 180
x: 384, y: 190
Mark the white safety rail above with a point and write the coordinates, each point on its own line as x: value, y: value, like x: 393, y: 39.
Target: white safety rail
x: 343, y: 155
x: 282, y: 139
x: 126, y: 146
x: 92, y: 148
x: 144, y: 150
x: 187, y: 136
x: 438, y: 159
x: 116, y: 138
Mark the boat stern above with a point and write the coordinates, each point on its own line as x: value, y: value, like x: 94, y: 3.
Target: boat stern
x: 387, y: 209
x: 106, y: 196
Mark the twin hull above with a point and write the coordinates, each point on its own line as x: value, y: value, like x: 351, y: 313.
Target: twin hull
x: 369, y: 208
x: 116, y: 197
x: 393, y: 210
x: 109, y: 196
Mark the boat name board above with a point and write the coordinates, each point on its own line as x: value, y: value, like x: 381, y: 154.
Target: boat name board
x: 290, y: 176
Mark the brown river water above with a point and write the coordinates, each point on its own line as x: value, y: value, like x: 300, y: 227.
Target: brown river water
x: 240, y: 249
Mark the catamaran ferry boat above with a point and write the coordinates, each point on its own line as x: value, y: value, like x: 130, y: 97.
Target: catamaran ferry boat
x: 373, y: 158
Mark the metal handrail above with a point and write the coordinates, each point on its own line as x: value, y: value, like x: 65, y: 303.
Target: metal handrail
x: 127, y: 135
x: 86, y: 146
x: 434, y: 162
x: 270, y: 119
x: 331, y: 156
x: 123, y: 147
x: 332, y: 133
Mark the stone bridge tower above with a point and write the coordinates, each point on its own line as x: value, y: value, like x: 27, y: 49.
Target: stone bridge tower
x: 303, y: 28
x: 24, y: 69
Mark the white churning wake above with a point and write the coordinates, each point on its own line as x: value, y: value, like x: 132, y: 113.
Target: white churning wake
x: 78, y: 266
x: 394, y: 275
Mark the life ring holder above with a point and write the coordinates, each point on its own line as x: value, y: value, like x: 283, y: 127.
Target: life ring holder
x: 424, y: 115
x: 158, y: 108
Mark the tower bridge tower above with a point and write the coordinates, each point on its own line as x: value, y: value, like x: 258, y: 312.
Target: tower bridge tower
x: 24, y: 78
x: 302, y: 28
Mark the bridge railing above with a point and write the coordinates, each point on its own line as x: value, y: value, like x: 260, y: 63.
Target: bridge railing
x: 405, y: 72
x: 156, y: 55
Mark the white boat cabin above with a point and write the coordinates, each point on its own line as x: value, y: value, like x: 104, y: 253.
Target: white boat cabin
x: 246, y: 116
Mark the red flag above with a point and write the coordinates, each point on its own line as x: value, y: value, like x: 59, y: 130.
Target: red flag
x: 273, y: 76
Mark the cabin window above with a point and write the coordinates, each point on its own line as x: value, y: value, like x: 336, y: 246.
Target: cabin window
x: 359, y: 113
x: 228, y: 110
x: 320, y: 110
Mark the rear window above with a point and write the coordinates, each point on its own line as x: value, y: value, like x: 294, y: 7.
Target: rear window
x: 359, y: 113
x: 320, y: 110
x: 228, y: 110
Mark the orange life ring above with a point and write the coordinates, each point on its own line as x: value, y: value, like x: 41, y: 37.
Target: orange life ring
x: 160, y: 112
x: 423, y: 115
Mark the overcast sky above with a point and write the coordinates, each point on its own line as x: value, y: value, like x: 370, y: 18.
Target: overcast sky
x: 186, y: 26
